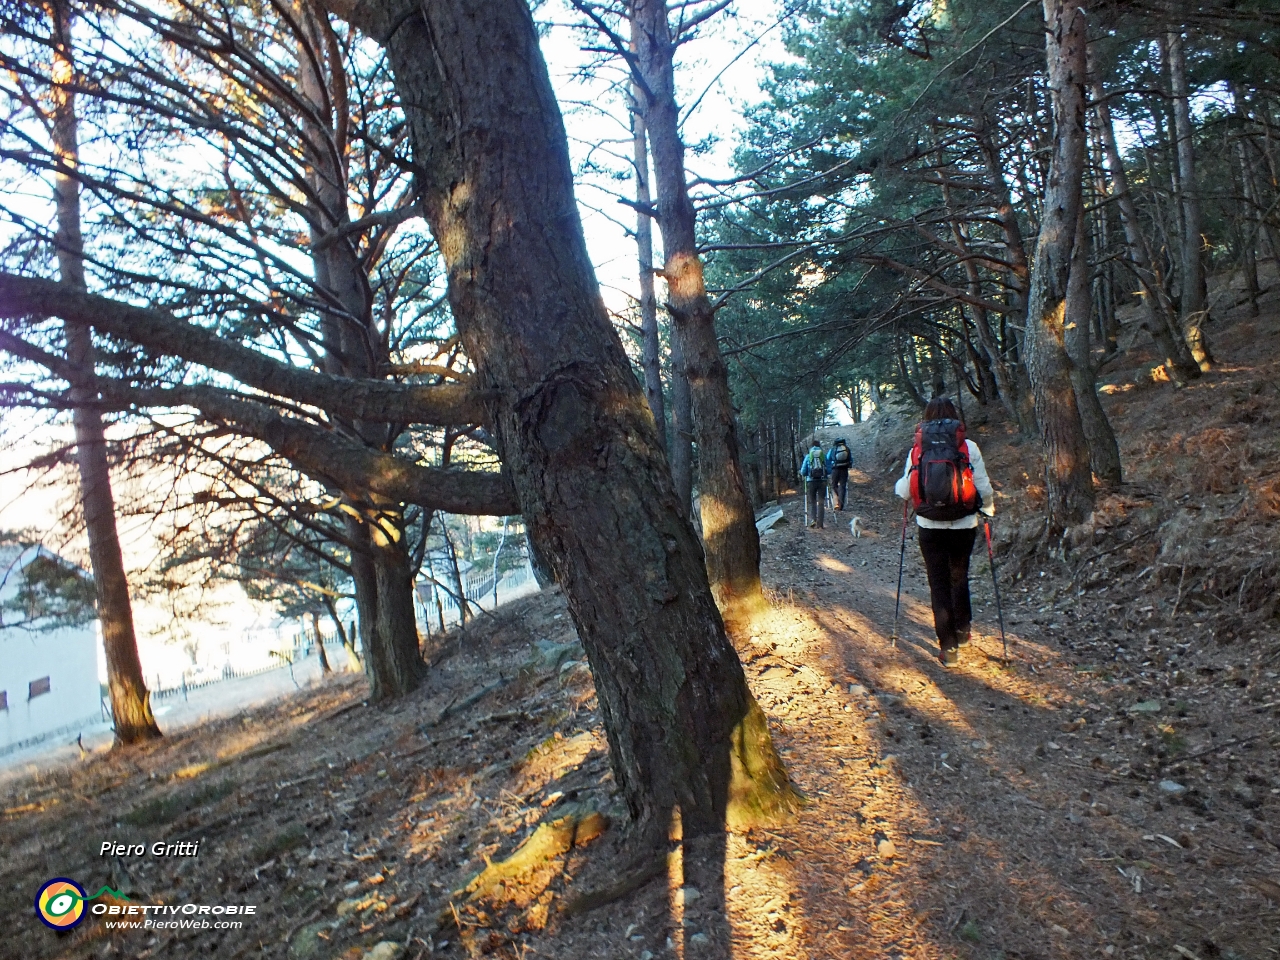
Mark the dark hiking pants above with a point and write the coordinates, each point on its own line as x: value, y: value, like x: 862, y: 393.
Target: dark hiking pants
x: 840, y: 486
x: 815, y: 495
x: 946, y: 560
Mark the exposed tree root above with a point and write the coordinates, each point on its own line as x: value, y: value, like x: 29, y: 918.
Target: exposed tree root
x: 760, y: 792
x: 645, y: 869
x: 550, y: 840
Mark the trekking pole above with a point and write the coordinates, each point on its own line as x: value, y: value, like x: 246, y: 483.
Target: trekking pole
x: 902, y: 559
x: 991, y: 557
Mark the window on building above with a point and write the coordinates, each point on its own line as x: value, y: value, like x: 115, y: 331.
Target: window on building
x: 37, y: 688
x: 4, y: 699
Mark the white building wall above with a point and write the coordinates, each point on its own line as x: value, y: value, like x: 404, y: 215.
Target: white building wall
x: 68, y: 657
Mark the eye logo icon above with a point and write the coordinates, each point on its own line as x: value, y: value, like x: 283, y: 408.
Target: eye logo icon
x: 60, y: 903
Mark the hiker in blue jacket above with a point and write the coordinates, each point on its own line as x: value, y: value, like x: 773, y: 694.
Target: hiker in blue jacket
x: 839, y: 459
x: 814, y: 471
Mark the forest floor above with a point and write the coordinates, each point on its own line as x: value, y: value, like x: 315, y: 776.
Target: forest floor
x: 1113, y: 791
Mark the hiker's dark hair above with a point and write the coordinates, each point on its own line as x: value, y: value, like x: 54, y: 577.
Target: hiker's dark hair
x: 941, y: 408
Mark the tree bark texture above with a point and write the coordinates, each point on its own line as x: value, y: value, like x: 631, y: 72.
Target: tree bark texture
x: 1104, y: 451
x: 130, y: 700
x: 729, y: 533
x: 1068, y: 476
x: 570, y: 420
x: 394, y: 661
x: 1247, y: 229
x: 1195, y: 293
x: 680, y: 443
x: 651, y: 348
x: 1157, y: 312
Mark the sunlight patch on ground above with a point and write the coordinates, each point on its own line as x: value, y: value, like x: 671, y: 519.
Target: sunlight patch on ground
x: 761, y: 902
x: 831, y: 563
x: 870, y: 837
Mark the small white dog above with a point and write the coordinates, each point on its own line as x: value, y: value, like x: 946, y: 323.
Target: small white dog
x: 855, y: 527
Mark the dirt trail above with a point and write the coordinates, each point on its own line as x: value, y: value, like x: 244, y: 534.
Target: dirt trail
x: 1012, y: 834
x: 981, y: 812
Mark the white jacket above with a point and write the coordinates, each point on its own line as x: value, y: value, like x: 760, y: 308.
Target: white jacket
x: 980, y: 480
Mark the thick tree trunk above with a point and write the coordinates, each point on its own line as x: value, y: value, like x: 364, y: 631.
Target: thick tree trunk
x: 130, y: 700
x: 1157, y: 312
x: 353, y: 348
x: 1069, y: 481
x: 1195, y: 293
x: 394, y: 661
x: 651, y: 348
x: 681, y: 440
x: 1104, y: 451
x: 729, y: 533
x: 570, y: 420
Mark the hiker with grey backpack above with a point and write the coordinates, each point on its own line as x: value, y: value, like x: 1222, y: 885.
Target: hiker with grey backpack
x: 946, y: 483
x: 839, y: 459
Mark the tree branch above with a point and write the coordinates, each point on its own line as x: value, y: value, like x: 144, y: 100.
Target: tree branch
x: 364, y: 399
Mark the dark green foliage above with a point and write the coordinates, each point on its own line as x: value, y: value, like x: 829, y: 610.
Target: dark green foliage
x: 51, y: 593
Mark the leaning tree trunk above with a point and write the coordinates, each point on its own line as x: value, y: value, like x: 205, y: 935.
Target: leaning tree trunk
x: 651, y: 348
x: 130, y: 700
x: 1104, y: 451
x: 1157, y: 312
x: 325, y: 669
x: 347, y: 641
x: 570, y: 421
x: 1195, y: 293
x: 1068, y: 478
x: 728, y: 521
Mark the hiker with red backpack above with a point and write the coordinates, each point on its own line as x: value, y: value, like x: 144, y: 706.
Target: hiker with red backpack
x: 946, y: 483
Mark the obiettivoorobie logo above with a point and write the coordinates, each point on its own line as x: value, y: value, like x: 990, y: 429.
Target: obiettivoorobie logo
x: 60, y: 902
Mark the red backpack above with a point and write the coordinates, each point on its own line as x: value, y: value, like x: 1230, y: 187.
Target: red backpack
x: 941, y: 475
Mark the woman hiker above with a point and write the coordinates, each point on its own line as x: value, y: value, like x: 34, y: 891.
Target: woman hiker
x: 947, y: 483
x: 814, y: 472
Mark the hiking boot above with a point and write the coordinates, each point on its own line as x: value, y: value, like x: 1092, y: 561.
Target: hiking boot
x: 962, y: 637
x: 950, y: 657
